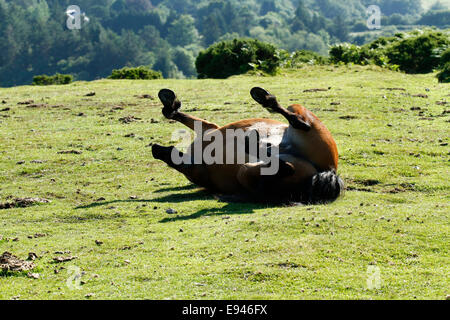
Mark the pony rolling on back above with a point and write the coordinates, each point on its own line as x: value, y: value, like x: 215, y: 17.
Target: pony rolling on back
x: 303, y: 152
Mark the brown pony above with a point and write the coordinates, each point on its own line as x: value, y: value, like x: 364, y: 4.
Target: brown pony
x: 306, y: 151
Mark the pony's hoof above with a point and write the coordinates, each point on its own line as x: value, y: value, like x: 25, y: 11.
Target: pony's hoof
x: 170, y: 102
x: 264, y: 98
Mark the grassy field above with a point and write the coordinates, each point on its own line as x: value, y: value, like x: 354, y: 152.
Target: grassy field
x: 109, y: 197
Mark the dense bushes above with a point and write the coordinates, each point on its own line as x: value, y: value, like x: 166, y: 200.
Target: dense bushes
x: 419, y: 51
x: 44, y: 80
x: 139, y: 73
x: 305, y: 57
x: 444, y: 75
x: 237, y: 56
x: 414, y: 52
x: 418, y: 54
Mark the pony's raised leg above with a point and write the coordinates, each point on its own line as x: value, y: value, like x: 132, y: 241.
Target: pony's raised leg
x: 171, y: 111
x: 269, y: 101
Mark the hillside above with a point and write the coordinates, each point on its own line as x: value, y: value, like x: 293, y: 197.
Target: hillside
x: 109, y: 196
x: 167, y: 35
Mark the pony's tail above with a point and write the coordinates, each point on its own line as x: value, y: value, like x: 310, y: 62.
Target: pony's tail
x: 325, y: 187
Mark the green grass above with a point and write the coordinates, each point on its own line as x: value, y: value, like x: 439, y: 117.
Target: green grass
x: 394, y: 213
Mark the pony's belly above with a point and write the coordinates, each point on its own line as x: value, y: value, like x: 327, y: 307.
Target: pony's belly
x: 224, y: 175
x: 270, y: 134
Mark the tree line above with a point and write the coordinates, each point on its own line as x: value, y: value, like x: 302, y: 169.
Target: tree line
x: 168, y: 35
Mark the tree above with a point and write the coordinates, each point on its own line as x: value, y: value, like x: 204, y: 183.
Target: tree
x: 238, y: 56
x: 185, y: 61
x: 214, y: 30
x: 302, y: 19
x: 139, y: 5
x: 183, y: 32
x: 267, y: 6
x: 340, y: 29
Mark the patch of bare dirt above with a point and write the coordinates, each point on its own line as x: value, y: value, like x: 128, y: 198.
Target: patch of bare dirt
x: 26, y: 102
x: 129, y: 119
x: 116, y: 108
x: 401, y: 188
x: 317, y: 90
x: 32, y: 256
x: 9, y: 262
x: 287, y: 265
x: 145, y: 96
x: 40, y: 105
x: 395, y: 89
x: 70, y: 152
x: 348, y: 117
x: 23, y: 203
x: 64, y: 259
x: 37, y: 235
x: 420, y: 95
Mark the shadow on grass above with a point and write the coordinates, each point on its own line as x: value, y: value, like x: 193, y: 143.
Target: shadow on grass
x: 173, y: 198
x: 229, y: 209
x: 173, y: 189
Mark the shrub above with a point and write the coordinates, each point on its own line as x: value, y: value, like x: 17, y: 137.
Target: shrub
x: 350, y: 53
x: 413, y: 52
x: 306, y: 57
x: 237, y: 56
x: 139, y: 73
x: 418, y: 54
x: 444, y: 75
x: 57, y: 79
x: 445, y: 57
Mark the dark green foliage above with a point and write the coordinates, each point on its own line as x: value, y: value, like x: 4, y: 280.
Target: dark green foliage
x: 237, y: 56
x: 139, y: 73
x: 57, y: 79
x: 444, y: 75
x: 413, y: 52
x: 389, y: 7
x: 306, y: 57
x: 436, y: 18
x: 418, y: 54
x: 445, y: 57
x: 349, y: 53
